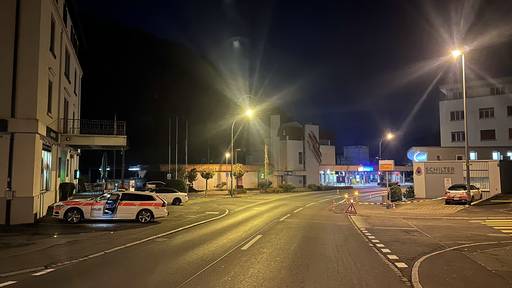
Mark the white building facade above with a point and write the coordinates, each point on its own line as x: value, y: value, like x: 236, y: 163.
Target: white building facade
x: 489, y: 118
x: 296, y: 152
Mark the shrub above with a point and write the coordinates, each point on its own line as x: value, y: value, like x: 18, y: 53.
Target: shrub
x: 409, y: 192
x: 177, y: 184
x: 286, y: 187
x: 314, y: 187
x: 395, y: 193
x: 265, y: 184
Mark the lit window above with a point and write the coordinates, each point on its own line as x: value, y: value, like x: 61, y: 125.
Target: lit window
x: 473, y: 155
x: 496, y: 155
x: 46, y: 169
x: 509, y: 155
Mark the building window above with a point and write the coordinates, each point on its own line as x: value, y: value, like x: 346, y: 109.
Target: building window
x: 74, y: 84
x: 496, y: 155
x: 498, y: 90
x: 509, y: 133
x: 66, y: 116
x: 486, y: 113
x: 509, y: 155
x: 458, y: 136
x: 52, y: 36
x: 300, y: 158
x: 50, y: 97
x: 456, y: 115
x: 67, y: 64
x: 509, y: 110
x: 473, y: 155
x: 46, y: 168
x: 459, y: 157
x: 488, y: 135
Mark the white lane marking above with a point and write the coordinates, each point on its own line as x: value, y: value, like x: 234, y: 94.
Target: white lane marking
x: 392, y: 257
x: 310, y: 204
x: 371, y: 237
x: 498, y: 235
x: 401, y: 265
x: 385, y: 250
x: 380, y: 245
x: 43, y: 272
x: 476, y: 221
x: 246, y: 246
x: 136, y: 242
x: 211, y: 212
x: 284, y: 217
x: 368, y: 234
x: 375, y: 241
x: 298, y: 210
x: 415, y: 276
x: 506, y: 231
x: 503, y: 227
x: 371, y: 245
x: 7, y: 283
x: 270, y: 200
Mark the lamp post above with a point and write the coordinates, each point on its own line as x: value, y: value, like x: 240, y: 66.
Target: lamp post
x: 456, y: 53
x: 248, y: 113
x: 388, y: 137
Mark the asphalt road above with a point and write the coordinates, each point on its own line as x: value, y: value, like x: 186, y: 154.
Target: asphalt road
x: 265, y: 242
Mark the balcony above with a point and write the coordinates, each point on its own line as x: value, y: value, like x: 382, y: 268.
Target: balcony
x: 94, y: 134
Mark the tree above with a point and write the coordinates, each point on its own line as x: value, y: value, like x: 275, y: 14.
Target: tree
x: 207, y: 174
x: 191, y: 176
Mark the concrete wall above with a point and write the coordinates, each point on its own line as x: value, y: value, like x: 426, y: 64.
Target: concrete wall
x: 328, y: 154
x: 430, y: 177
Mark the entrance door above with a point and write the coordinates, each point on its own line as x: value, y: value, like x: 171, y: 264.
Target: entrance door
x: 98, y: 206
x: 111, y: 205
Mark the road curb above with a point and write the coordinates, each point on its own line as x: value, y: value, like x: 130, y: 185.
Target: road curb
x: 415, y: 276
x: 104, y: 252
x: 384, y: 259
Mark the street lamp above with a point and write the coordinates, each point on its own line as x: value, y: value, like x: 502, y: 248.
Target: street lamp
x: 227, y: 155
x: 387, y: 137
x: 456, y: 53
x: 249, y: 113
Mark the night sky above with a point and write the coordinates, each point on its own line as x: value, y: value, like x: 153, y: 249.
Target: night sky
x: 357, y: 68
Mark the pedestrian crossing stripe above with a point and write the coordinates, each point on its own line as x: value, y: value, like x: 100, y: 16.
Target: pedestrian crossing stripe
x: 502, y: 225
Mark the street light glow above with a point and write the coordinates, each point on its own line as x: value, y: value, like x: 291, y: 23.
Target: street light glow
x: 227, y: 155
x: 390, y: 136
x: 249, y: 113
x: 456, y: 53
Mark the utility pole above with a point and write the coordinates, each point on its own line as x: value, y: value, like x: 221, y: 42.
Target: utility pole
x: 115, y: 151
x: 186, y: 151
x: 169, y: 152
x: 176, y: 166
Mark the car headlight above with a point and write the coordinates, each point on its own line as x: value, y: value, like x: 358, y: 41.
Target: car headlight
x: 58, y: 206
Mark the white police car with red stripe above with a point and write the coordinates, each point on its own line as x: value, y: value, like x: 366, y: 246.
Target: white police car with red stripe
x: 141, y: 206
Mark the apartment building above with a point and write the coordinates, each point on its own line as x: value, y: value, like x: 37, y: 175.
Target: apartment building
x: 489, y: 118
x: 41, y: 133
x: 297, y: 152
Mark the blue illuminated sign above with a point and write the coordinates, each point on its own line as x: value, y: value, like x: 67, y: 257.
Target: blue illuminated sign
x: 365, y: 168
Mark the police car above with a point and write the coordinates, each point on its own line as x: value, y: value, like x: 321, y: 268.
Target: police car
x: 141, y: 206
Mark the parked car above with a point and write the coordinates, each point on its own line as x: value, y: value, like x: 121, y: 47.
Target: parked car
x: 459, y: 193
x: 141, y: 206
x: 171, y: 195
x: 152, y: 185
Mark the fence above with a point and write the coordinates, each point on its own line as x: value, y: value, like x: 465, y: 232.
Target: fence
x: 93, y: 127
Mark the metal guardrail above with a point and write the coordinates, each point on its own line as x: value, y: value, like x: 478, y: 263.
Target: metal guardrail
x: 93, y: 127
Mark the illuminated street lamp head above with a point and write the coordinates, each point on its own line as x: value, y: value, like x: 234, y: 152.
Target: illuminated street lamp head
x: 227, y: 155
x: 456, y: 53
x: 249, y: 113
x: 390, y: 136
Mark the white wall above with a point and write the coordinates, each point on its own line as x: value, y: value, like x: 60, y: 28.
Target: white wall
x: 501, y: 122
x: 328, y: 154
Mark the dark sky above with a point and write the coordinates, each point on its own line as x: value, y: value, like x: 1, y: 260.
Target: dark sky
x: 357, y: 68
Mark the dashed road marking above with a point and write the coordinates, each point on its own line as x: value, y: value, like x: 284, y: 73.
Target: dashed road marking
x: 43, y: 272
x: 375, y: 241
x: 249, y: 244
x: 385, y: 250
x: 211, y: 212
x: 380, y: 245
x: 298, y: 210
x: 392, y: 257
x: 310, y: 204
x: 7, y: 283
x: 284, y: 217
x: 371, y: 237
x: 502, y: 225
x: 401, y: 265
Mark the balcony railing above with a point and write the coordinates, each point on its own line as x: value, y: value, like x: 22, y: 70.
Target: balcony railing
x: 93, y: 127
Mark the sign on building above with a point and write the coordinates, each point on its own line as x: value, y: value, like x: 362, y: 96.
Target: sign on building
x: 386, y: 165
